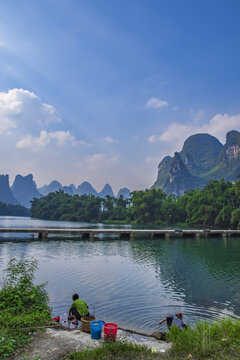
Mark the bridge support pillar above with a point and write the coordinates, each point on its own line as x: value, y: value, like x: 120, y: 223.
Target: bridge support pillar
x: 85, y: 235
x: 132, y: 236
x: 42, y: 235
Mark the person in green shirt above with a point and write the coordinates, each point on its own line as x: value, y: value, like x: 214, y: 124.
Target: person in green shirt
x: 77, y: 309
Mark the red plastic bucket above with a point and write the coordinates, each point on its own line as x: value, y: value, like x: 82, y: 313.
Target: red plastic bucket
x: 110, y: 331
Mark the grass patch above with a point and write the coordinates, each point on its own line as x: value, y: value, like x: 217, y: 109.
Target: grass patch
x: 216, y: 340
x: 23, y: 306
x: 113, y: 351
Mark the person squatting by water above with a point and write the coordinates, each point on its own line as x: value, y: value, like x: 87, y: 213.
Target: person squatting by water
x: 77, y: 309
x: 175, y: 319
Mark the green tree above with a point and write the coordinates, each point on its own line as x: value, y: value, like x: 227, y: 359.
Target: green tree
x: 23, y: 305
x: 235, y: 218
x: 147, y: 206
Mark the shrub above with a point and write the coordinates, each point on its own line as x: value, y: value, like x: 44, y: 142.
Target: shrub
x: 217, y: 340
x: 23, y: 305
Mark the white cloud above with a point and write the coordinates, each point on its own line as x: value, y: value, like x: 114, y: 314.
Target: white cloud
x: 7, y: 125
x: 152, y: 160
x: 218, y: 126
x: 82, y: 142
x: 197, y: 115
x: 156, y: 103
x: 92, y: 159
x: 100, y: 160
x: 36, y: 143
x: 20, y: 107
x: 153, y: 138
x: 108, y: 139
x: 113, y: 159
x: 62, y: 137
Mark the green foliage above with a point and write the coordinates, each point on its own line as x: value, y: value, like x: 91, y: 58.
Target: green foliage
x: 13, y: 210
x: 111, y: 351
x: 213, y: 205
x: 217, y: 204
x: 235, y: 218
x: 23, y: 305
x: 217, y: 340
x: 153, y: 207
x: 64, y: 207
x: 147, y: 205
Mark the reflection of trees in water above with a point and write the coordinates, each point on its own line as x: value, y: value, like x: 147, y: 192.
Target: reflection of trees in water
x: 197, y: 271
x: 204, y: 270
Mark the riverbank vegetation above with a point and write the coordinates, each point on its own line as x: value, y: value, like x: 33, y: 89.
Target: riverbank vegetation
x: 216, y: 340
x: 23, y: 306
x: 13, y: 210
x: 218, y: 204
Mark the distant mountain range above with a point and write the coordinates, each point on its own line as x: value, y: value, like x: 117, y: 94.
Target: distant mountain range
x: 202, y: 158
x: 24, y: 189
x: 84, y: 188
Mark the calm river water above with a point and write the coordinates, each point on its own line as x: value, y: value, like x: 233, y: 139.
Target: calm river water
x: 132, y: 283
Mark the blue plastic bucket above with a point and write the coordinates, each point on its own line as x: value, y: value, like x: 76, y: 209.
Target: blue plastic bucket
x: 96, y: 329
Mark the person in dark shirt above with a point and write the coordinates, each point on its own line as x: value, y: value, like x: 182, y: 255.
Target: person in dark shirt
x: 78, y: 308
x: 175, y: 319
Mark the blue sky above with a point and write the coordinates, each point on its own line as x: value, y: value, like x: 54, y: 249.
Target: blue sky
x: 101, y: 90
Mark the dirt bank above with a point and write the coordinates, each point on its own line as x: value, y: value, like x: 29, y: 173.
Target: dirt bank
x: 56, y: 343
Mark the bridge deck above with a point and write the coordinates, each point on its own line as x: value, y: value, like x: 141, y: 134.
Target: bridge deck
x: 85, y: 232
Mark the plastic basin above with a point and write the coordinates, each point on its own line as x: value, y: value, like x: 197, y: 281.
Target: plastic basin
x: 96, y: 329
x: 110, y: 331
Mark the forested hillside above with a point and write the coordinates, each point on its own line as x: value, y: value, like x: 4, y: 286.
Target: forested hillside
x: 218, y: 204
x: 202, y: 159
x: 13, y: 210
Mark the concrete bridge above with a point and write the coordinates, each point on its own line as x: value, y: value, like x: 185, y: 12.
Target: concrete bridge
x: 121, y: 233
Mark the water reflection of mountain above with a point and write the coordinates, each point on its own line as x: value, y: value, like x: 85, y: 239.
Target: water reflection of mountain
x: 206, y: 271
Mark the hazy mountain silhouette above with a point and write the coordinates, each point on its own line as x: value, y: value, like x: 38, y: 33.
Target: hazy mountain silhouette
x: 6, y: 195
x: 107, y: 190
x: 24, y: 189
x: 124, y: 192
x: 52, y: 187
x: 86, y: 188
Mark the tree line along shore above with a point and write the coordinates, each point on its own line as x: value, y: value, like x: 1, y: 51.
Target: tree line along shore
x: 218, y: 204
